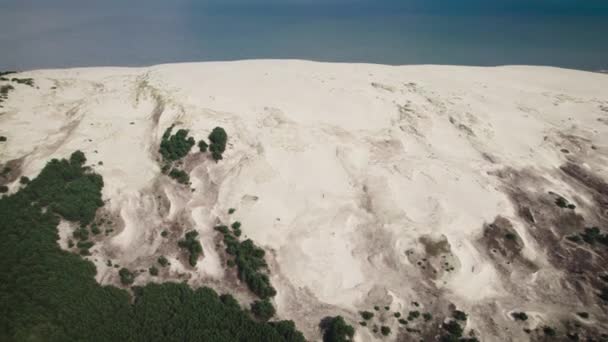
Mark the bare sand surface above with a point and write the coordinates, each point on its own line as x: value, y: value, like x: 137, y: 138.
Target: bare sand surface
x: 367, y: 185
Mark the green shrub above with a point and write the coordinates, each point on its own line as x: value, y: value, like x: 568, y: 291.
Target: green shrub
x: 413, y: 315
x: 231, y: 211
x: 385, y: 330
x: 453, y: 328
x: 366, y: 315
x: 236, y: 225
x: 153, y: 271
x: 519, y: 316
x: 163, y: 261
x: 263, y: 309
x: 95, y: 229
x: 202, y: 146
x: 397, y: 314
x: 126, y: 276
x: 177, y: 146
x: 193, y: 246
x: 335, y: 329
x: 3, y: 189
x: 548, y: 331
x: 427, y: 316
x: 402, y: 321
x: 164, y: 233
x: 460, y: 315
x: 218, y: 139
x: 180, y: 176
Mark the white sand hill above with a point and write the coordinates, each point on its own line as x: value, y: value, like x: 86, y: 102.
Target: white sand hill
x: 367, y: 185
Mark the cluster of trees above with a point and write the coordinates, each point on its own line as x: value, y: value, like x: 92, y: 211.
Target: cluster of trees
x: 177, y: 146
x: 191, y: 243
x: 250, y: 262
x: 49, y: 294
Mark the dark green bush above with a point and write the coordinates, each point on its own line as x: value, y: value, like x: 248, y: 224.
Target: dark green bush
x: 335, y: 329
x: 519, y: 316
x: 163, y: 261
x: 126, y: 277
x: 180, y: 176
x: 460, y: 315
x: 218, y: 139
x: 385, y: 330
x: 413, y: 315
x: 453, y: 328
x: 366, y: 315
x: 231, y: 211
x: 202, y: 146
x: 263, y: 309
x: 427, y: 316
x: 153, y: 271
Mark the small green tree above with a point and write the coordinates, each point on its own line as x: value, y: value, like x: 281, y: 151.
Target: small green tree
x: 366, y: 315
x: 163, y: 261
x: 126, y: 276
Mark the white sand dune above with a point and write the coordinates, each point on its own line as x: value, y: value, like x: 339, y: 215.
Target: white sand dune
x: 336, y: 170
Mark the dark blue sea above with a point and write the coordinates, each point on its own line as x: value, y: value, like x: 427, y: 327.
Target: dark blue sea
x: 69, y: 33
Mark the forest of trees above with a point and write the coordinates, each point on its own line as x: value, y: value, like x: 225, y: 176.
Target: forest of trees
x: 48, y: 294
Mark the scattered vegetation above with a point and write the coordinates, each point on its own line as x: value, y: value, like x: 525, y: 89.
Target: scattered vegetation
x: 218, y: 139
x: 26, y: 81
x: 177, y: 146
x: 193, y: 246
x: 591, y: 235
x: 335, y: 329
x: 250, y: 262
x: 263, y: 309
x: 385, y: 330
x: 49, y: 294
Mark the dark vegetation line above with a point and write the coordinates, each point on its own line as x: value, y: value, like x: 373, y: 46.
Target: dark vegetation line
x: 48, y: 294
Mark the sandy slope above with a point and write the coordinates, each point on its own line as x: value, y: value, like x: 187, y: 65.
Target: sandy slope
x: 340, y: 171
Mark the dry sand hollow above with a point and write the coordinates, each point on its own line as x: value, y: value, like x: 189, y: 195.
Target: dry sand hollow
x: 367, y: 185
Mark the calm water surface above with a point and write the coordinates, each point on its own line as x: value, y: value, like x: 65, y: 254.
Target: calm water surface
x: 35, y: 34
